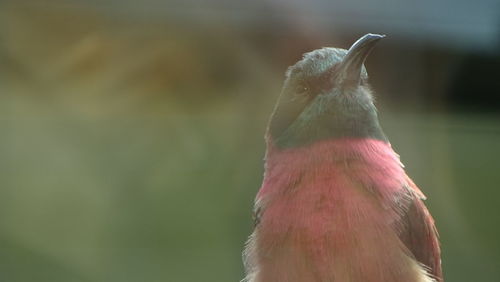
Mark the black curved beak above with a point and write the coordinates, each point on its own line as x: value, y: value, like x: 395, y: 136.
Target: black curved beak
x: 350, y: 68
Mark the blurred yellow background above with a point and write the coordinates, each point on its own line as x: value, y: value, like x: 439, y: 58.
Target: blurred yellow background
x: 131, y: 133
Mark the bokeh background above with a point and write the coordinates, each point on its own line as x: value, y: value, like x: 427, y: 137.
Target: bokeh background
x: 131, y: 132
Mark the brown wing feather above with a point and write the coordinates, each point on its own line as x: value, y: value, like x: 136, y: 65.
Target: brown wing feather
x: 419, y: 234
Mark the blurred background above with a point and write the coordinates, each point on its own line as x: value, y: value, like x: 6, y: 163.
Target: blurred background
x: 131, y: 132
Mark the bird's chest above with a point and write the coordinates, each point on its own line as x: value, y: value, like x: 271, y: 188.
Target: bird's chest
x: 330, y: 212
x: 323, y: 223
x: 319, y: 208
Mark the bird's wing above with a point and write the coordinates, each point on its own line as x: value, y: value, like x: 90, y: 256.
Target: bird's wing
x: 419, y: 234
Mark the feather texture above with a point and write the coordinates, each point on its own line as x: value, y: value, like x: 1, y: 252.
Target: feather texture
x: 340, y: 210
x: 419, y: 234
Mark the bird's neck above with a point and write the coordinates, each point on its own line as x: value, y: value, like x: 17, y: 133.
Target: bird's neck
x: 286, y: 166
x: 326, y: 151
x: 336, y: 122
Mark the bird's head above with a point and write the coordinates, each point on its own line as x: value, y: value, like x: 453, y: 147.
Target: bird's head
x: 326, y: 95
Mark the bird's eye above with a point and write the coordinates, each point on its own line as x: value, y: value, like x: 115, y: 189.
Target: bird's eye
x: 303, y: 88
x: 301, y: 93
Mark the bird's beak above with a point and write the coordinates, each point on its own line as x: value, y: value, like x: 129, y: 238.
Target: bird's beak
x: 351, y: 66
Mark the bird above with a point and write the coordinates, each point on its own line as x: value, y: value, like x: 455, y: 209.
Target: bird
x: 336, y: 204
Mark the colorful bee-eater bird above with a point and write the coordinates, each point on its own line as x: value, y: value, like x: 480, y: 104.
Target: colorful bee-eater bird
x: 336, y: 204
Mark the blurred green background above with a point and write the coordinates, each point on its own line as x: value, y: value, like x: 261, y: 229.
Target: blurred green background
x: 131, y: 132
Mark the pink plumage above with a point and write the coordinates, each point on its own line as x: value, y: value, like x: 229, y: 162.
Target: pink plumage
x: 335, y: 211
